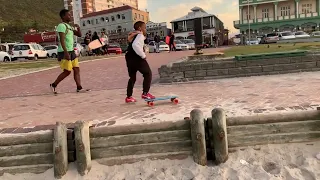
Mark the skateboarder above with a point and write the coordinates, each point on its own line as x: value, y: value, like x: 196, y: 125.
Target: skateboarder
x: 66, y: 55
x: 136, y: 61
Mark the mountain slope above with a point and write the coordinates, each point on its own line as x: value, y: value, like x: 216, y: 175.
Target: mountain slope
x: 17, y: 16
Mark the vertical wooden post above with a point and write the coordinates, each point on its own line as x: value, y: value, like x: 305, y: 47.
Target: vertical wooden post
x: 82, y: 141
x: 198, y: 137
x: 219, y: 133
x: 60, y: 150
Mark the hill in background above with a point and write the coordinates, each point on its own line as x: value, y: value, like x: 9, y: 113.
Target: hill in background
x: 17, y: 16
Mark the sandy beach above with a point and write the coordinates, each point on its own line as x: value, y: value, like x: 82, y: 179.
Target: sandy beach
x: 269, y: 162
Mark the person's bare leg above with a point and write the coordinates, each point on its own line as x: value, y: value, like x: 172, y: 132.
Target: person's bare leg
x: 61, y: 77
x: 76, y: 76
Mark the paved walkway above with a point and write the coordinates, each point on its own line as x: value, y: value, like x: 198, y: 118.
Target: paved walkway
x: 238, y: 96
x: 96, y: 75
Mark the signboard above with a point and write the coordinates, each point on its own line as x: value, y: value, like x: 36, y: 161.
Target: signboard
x: 40, y: 37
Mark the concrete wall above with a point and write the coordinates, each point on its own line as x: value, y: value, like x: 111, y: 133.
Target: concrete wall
x: 208, y: 68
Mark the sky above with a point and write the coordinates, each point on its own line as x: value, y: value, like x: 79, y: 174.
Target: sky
x: 167, y: 10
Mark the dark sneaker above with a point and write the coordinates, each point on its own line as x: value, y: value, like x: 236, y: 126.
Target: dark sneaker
x: 53, y: 88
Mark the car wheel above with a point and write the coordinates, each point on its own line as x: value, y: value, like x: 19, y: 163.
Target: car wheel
x: 35, y: 57
x: 5, y: 59
x: 54, y: 55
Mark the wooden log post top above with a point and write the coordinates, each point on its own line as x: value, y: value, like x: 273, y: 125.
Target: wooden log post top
x: 199, y: 150
x: 219, y: 133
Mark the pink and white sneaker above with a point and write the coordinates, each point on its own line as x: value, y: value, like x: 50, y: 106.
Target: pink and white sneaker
x: 130, y: 100
x: 147, y: 96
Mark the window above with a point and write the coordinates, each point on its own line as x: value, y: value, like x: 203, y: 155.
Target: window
x: 265, y: 13
x: 285, y: 11
x: 118, y: 16
x: 178, y: 26
x: 206, y: 23
x: 161, y: 33
x: 190, y: 24
x: 107, y: 19
x: 135, y: 15
x: 306, y: 8
x: 142, y: 17
x: 89, y: 22
x: 248, y: 15
x: 112, y: 18
x: 102, y: 19
x: 97, y: 21
x: 92, y: 22
x: 123, y: 16
x: 83, y: 23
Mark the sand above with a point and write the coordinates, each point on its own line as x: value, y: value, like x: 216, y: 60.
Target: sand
x: 274, y: 162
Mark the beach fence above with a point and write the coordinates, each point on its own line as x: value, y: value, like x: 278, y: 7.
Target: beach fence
x: 202, y: 138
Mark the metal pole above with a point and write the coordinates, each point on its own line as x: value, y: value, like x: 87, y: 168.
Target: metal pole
x: 249, y: 38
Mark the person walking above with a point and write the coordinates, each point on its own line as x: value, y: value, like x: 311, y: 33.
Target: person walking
x: 172, y: 46
x: 157, y: 41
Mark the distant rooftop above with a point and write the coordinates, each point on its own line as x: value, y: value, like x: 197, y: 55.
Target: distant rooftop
x: 196, y: 13
x: 108, y: 11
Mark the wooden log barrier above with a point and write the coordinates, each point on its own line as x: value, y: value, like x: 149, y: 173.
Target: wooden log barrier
x: 60, y: 150
x: 139, y: 128
x: 26, y: 138
x: 274, y: 118
x: 82, y: 141
x: 35, y: 169
x: 198, y: 137
x: 219, y: 135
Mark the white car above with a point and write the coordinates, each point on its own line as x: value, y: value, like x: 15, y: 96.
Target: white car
x: 180, y: 45
x: 190, y: 43
x: 316, y: 33
x: 52, y: 50
x: 253, y: 41
x: 286, y: 35
x: 162, y: 46
x: 28, y: 51
x: 301, y: 34
x: 4, y: 56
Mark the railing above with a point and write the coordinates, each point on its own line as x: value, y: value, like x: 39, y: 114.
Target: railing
x: 279, y: 18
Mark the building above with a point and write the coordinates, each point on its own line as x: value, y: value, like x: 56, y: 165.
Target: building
x: 83, y: 7
x: 265, y: 16
x: 184, y: 27
x: 115, y: 22
x: 160, y: 28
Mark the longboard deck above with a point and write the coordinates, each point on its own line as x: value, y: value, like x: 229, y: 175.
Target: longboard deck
x: 172, y: 98
x: 96, y: 43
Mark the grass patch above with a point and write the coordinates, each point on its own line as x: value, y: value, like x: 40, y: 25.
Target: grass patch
x: 40, y: 64
x: 269, y: 48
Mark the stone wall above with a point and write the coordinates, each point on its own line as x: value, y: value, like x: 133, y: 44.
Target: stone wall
x: 205, y: 69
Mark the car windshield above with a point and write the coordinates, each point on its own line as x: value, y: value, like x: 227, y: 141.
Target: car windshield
x: 189, y: 41
x: 21, y: 47
x: 287, y: 34
x: 162, y: 43
x: 254, y: 39
x: 316, y: 33
x: 271, y: 35
x: 178, y: 42
x: 300, y: 33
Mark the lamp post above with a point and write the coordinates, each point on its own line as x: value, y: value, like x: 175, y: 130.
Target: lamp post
x: 249, y: 38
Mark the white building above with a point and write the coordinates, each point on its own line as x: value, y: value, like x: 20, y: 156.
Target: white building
x: 115, y: 22
x: 160, y: 28
x: 183, y: 27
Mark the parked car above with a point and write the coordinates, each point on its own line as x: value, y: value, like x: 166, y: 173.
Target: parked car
x: 4, y: 56
x: 270, y: 38
x: 6, y: 47
x: 301, y: 34
x: 286, y: 35
x: 114, y: 48
x: 162, y: 46
x: 28, y: 51
x: 180, y: 45
x: 190, y: 43
x: 253, y: 41
x: 52, y: 50
x: 316, y: 34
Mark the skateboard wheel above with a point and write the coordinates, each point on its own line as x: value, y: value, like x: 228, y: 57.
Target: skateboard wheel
x: 175, y: 101
x: 172, y: 99
x: 150, y: 104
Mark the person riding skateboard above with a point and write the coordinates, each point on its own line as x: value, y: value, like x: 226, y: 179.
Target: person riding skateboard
x: 136, y: 61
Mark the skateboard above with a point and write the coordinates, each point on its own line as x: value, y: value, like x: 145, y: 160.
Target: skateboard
x: 173, y: 99
x: 97, y: 43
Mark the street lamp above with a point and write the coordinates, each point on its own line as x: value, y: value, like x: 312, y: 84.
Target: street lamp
x: 249, y: 22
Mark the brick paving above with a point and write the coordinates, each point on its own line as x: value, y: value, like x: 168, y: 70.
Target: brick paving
x: 96, y: 75
x: 238, y: 96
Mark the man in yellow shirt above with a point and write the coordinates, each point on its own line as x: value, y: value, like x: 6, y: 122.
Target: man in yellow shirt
x: 66, y: 55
